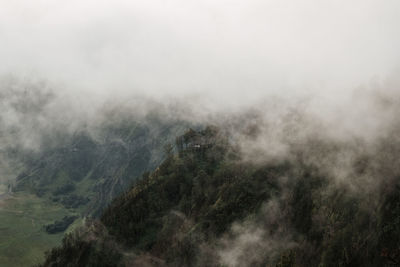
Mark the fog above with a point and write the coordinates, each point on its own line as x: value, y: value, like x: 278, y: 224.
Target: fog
x: 314, y: 82
x: 298, y: 68
x: 229, y: 52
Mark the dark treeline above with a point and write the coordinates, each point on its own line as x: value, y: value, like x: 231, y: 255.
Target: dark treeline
x: 200, y: 206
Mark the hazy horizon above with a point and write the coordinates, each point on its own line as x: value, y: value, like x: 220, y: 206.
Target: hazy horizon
x: 231, y: 52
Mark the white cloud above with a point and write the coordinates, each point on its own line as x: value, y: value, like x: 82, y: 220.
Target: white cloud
x: 244, y: 49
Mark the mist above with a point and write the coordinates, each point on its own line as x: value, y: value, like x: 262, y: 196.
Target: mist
x: 228, y: 51
x: 311, y: 82
x: 210, y: 57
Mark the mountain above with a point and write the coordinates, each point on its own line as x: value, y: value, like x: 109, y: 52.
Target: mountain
x: 56, y: 168
x: 85, y: 170
x: 207, y: 206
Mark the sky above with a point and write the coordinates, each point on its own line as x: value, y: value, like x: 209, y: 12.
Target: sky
x: 229, y: 51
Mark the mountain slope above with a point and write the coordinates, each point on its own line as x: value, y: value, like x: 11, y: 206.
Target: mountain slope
x: 206, y: 206
x: 87, y: 172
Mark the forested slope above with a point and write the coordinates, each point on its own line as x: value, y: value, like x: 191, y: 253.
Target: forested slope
x: 206, y: 206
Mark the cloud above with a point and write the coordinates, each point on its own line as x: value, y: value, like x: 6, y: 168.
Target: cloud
x: 232, y: 50
x: 252, y: 243
x: 300, y: 69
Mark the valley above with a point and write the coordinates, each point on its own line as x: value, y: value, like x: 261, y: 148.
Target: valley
x: 23, y: 239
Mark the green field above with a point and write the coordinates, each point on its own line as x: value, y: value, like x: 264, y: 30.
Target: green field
x: 23, y: 240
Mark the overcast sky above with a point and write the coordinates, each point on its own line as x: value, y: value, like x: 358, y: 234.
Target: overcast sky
x: 234, y: 49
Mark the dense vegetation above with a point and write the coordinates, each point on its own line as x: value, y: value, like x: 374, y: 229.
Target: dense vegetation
x: 86, y: 247
x: 203, y: 204
x: 60, y: 226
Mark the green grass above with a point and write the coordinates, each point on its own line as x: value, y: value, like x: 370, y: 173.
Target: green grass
x: 3, y: 188
x: 23, y: 240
